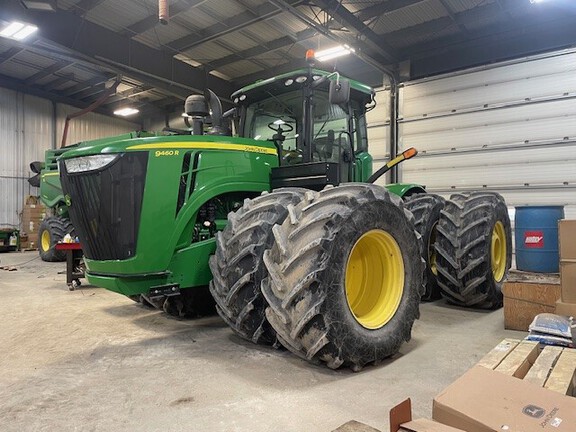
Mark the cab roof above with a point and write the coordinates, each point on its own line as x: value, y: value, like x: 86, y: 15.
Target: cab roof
x: 278, y: 83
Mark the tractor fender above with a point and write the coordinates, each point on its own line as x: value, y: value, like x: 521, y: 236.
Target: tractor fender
x: 404, y: 190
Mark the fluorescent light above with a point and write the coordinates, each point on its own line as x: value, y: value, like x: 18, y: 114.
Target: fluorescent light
x: 25, y: 32
x: 330, y: 53
x: 12, y: 29
x: 17, y: 30
x: 125, y: 112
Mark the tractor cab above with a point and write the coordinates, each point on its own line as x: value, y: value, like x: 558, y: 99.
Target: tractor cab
x: 317, y: 122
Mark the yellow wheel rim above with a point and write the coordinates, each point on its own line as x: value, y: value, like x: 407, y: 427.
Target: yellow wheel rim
x: 45, y: 240
x: 432, y: 251
x: 498, y: 251
x: 374, y: 279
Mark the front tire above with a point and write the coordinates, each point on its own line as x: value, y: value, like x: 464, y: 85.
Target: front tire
x: 474, y: 249
x: 345, y: 276
x: 52, y: 230
x: 237, y: 266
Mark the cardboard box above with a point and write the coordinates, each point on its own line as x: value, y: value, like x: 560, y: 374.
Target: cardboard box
x: 426, y: 425
x: 566, y: 309
x: 568, y: 281
x: 527, y: 295
x: 32, y: 215
x: 355, y: 426
x: 483, y: 400
x: 31, y: 199
x: 567, y: 239
x: 401, y: 421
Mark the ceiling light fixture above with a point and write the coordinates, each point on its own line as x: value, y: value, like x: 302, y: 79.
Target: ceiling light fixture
x: 331, y: 53
x: 17, y: 30
x: 127, y: 111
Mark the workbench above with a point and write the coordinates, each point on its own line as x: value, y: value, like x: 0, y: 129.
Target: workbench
x: 74, y: 264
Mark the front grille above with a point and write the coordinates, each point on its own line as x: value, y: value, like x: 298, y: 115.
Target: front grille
x: 106, y: 204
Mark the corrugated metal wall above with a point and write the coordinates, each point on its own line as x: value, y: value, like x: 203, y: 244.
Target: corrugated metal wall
x: 510, y: 127
x: 26, y: 131
x: 90, y: 126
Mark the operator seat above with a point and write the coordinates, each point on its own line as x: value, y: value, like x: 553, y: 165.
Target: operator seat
x: 342, y: 155
x: 323, y: 148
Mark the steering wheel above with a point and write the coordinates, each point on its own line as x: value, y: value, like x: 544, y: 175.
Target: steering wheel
x: 281, y: 128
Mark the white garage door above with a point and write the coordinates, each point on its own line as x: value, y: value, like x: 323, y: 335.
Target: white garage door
x: 378, y: 121
x: 509, y: 127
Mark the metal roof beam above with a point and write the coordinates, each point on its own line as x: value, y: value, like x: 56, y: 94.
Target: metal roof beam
x: 382, y: 8
x: 10, y: 54
x: 372, y: 60
x: 127, y: 94
x: 452, y: 16
x: 273, y: 45
x: 19, y: 85
x: 472, y: 16
x: 265, y: 11
x: 47, y: 71
x: 121, y: 54
x: 75, y: 89
x: 531, y: 33
x: 90, y: 91
x: 65, y: 78
x: 85, y: 6
x: 341, y: 14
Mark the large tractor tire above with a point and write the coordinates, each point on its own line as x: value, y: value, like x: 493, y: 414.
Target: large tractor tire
x: 426, y: 209
x: 474, y: 249
x: 237, y: 265
x: 52, y: 230
x: 345, y: 276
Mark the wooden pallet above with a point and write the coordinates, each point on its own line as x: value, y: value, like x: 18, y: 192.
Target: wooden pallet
x: 550, y: 367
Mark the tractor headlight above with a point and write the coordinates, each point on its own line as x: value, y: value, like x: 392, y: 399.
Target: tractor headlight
x: 89, y: 163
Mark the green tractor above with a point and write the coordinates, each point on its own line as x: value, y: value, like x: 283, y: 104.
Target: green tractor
x: 280, y: 222
x: 56, y: 225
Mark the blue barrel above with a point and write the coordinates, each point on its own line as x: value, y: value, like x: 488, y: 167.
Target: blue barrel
x: 536, y: 236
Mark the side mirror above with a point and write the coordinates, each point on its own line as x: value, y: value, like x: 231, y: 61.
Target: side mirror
x: 36, y: 167
x: 339, y: 92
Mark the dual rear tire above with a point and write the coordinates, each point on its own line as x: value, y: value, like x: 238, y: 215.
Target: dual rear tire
x: 474, y: 249
x: 466, y: 245
x: 334, y: 276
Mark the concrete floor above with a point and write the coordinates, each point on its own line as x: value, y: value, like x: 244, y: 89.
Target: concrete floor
x: 92, y: 360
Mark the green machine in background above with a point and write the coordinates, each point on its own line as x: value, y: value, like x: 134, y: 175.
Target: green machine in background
x: 332, y: 273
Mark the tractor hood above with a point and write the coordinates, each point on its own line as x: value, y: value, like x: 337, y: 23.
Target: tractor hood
x: 164, y: 143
